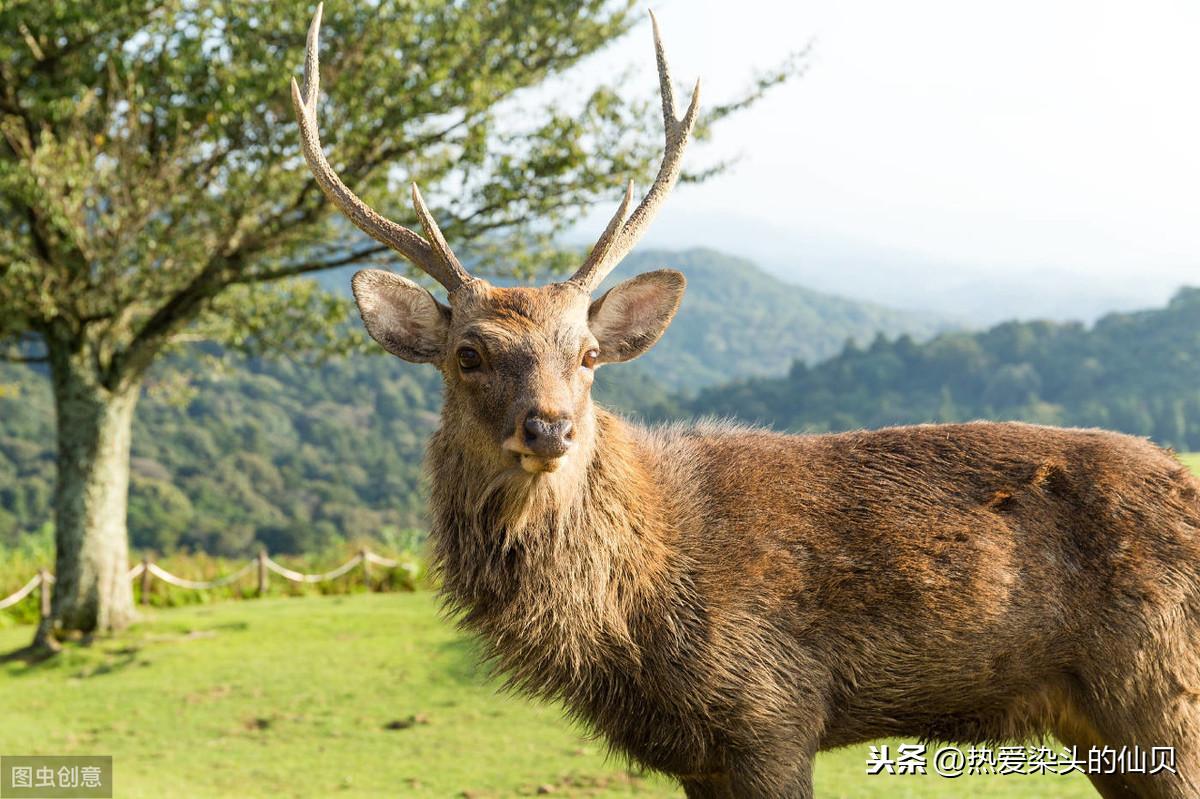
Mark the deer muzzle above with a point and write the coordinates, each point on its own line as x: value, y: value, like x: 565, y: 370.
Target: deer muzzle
x: 542, y: 441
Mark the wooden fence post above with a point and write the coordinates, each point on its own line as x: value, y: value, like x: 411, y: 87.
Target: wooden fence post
x: 366, y: 566
x: 262, y: 572
x: 44, y: 585
x: 146, y: 580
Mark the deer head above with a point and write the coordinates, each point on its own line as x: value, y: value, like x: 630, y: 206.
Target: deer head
x: 517, y: 362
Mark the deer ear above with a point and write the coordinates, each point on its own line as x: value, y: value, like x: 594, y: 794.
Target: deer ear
x: 401, y: 316
x: 631, y: 316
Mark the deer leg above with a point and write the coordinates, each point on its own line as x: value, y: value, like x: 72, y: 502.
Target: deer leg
x: 787, y: 774
x: 707, y: 786
x: 1154, y: 716
x: 1076, y: 730
x: 1180, y: 783
x: 746, y: 780
x: 801, y: 785
x: 1174, y: 723
x: 1150, y: 698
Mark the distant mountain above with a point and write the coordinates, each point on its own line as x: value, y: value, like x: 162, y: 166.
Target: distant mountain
x: 984, y: 292
x: 1135, y: 372
x: 738, y: 321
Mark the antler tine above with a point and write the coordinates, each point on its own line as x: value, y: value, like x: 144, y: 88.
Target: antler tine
x: 604, y: 243
x: 618, y: 239
x: 436, y: 259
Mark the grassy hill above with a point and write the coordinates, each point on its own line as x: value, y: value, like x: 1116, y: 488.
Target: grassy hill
x: 369, y: 695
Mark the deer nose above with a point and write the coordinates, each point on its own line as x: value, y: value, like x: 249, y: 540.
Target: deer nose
x: 548, y: 437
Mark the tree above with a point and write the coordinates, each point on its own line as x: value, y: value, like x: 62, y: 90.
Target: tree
x: 152, y: 193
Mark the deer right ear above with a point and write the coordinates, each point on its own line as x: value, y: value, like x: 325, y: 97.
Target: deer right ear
x: 632, y: 315
x: 403, y: 317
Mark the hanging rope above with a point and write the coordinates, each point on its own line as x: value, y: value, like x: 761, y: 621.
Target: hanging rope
x: 297, y: 577
x: 200, y: 585
x: 366, y: 556
x: 386, y: 563
x: 22, y: 592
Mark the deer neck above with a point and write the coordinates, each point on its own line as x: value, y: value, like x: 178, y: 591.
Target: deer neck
x: 552, y: 572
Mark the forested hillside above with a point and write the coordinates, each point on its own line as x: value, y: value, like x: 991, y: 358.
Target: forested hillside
x: 274, y: 451
x: 229, y: 453
x: 295, y: 455
x: 1135, y: 372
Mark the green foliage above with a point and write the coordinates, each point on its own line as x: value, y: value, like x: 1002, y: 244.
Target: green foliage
x: 354, y: 696
x: 151, y: 186
x: 1134, y: 372
x: 20, y: 560
x: 278, y: 453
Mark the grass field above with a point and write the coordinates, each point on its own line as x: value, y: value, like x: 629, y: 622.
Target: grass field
x: 358, y: 695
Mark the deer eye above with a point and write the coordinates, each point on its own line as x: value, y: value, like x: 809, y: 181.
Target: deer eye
x: 589, y: 359
x: 468, y: 358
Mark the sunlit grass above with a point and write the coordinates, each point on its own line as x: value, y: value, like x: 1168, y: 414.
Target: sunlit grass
x: 357, y: 695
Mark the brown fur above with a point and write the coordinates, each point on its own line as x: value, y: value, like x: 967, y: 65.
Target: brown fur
x: 722, y: 602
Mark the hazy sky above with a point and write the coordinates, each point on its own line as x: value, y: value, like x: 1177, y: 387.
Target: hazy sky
x: 1000, y: 137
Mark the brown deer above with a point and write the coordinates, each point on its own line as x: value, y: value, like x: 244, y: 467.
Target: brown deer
x: 723, y: 602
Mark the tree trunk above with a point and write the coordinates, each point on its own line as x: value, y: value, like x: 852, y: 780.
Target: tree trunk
x: 92, y: 592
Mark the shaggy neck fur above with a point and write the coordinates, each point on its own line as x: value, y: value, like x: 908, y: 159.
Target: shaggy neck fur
x: 558, y: 572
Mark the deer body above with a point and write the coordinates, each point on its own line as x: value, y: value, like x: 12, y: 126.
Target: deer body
x: 750, y: 598
x: 721, y: 603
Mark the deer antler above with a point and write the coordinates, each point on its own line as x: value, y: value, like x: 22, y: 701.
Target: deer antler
x: 622, y: 234
x: 433, y: 256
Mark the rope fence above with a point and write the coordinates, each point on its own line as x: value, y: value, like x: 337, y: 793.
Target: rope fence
x: 262, y: 565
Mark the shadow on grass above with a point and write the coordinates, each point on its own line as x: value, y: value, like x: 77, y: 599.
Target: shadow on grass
x: 68, y: 652
x: 85, y: 657
x: 30, y: 655
x: 463, y: 661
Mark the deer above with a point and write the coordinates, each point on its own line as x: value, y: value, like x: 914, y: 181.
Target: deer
x: 722, y: 602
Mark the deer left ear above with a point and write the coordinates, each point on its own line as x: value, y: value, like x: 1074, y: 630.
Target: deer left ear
x: 632, y: 316
x: 403, y: 317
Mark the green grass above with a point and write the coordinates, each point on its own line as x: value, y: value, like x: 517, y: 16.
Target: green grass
x: 1191, y: 460
x: 295, y: 696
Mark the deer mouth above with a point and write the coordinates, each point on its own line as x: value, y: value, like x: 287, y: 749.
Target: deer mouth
x: 536, y: 464
x: 529, y: 461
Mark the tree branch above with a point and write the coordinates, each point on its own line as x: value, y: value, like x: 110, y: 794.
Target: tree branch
x: 175, y: 313
x: 305, y: 268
